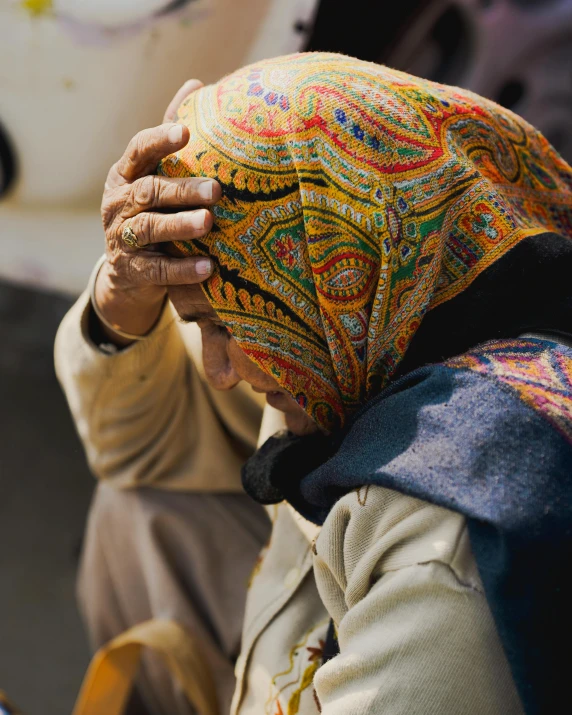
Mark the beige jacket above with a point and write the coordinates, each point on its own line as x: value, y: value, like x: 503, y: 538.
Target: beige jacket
x: 396, y: 574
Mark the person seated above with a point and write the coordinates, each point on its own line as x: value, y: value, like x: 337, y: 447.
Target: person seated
x: 388, y: 264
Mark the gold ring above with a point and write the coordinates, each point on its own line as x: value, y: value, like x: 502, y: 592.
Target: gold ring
x: 130, y: 237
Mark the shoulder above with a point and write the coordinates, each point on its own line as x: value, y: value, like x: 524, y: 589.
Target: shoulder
x: 373, y: 530
x: 453, y: 434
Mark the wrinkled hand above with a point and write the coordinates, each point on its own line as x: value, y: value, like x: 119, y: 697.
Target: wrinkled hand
x: 132, y: 283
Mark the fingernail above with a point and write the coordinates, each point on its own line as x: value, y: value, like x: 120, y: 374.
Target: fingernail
x: 206, y: 190
x: 204, y: 266
x: 175, y: 134
x: 198, y: 219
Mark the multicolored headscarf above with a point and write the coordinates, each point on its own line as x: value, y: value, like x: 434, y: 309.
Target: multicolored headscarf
x: 356, y: 198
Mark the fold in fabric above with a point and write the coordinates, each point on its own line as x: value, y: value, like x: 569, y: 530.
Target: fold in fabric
x: 488, y: 435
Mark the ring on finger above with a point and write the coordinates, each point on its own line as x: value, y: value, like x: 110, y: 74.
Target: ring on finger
x: 129, y: 237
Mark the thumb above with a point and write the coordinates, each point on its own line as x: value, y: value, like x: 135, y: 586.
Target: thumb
x: 190, y: 86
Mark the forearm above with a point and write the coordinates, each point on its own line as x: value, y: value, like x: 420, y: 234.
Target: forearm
x: 143, y: 414
x: 113, y: 398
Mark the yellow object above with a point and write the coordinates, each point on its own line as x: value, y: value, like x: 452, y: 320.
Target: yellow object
x: 111, y: 674
x: 37, y: 7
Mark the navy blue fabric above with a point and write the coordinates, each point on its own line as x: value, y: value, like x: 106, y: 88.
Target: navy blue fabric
x: 464, y: 441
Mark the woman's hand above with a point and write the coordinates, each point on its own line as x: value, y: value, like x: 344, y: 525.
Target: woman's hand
x: 132, y: 283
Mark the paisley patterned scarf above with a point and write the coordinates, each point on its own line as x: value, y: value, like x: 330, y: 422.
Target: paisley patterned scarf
x: 356, y: 199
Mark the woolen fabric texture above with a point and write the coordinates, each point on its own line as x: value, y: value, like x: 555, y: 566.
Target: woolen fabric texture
x: 356, y: 199
x: 488, y: 435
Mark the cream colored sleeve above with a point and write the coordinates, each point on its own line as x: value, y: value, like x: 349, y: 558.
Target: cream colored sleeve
x: 416, y: 635
x: 145, y: 416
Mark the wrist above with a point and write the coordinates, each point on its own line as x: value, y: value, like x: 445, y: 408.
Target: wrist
x: 124, y: 313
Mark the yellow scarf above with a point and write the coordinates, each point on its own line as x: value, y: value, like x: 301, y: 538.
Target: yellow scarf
x: 356, y: 198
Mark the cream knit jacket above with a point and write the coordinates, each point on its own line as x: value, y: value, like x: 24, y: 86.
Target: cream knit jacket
x: 396, y: 574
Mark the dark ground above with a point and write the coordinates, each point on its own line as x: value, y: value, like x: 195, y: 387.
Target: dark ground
x: 45, y: 488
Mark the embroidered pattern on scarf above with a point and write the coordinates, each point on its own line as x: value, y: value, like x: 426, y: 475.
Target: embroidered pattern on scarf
x: 541, y: 378
x: 356, y: 198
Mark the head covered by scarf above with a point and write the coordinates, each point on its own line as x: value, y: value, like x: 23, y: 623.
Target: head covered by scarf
x: 355, y: 199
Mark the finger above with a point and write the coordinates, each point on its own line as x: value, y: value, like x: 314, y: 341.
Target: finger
x: 165, y: 271
x: 155, y: 192
x: 190, y: 86
x: 146, y: 150
x: 159, y: 228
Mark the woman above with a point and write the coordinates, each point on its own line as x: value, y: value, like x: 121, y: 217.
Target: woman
x: 373, y: 224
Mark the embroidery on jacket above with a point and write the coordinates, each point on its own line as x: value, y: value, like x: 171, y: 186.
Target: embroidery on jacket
x: 304, y: 659
x: 362, y: 495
